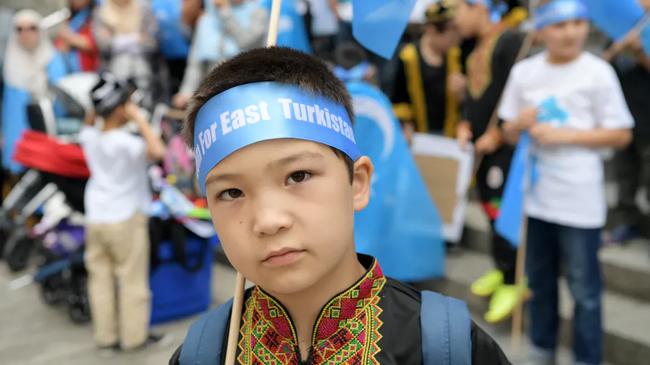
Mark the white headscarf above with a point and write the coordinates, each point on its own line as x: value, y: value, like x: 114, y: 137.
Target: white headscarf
x: 23, y: 68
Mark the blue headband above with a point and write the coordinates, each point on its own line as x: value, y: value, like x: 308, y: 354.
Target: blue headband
x: 496, y: 8
x: 558, y: 11
x: 261, y: 111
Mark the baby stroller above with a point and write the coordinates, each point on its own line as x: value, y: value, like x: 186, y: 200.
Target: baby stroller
x: 54, y: 166
x: 54, y: 184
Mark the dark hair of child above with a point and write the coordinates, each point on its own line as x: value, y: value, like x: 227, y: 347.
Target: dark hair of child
x: 277, y: 64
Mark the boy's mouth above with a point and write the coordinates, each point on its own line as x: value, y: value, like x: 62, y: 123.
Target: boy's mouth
x: 284, y: 256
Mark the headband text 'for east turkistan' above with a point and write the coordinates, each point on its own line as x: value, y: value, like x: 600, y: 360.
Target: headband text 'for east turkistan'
x: 261, y: 111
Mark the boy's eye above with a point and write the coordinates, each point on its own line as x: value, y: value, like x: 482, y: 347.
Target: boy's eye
x: 230, y: 194
x: 298, y: 177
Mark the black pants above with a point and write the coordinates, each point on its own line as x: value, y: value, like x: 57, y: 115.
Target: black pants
x: 632, y: 169
x: 490, y: 178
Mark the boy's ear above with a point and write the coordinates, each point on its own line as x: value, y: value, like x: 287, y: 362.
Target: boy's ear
x: 361, y: 177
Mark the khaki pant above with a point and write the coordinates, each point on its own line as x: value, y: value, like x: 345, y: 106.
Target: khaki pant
x: 117, y: 260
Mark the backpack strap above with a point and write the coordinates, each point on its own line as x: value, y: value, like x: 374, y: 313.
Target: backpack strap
x: 446, y: 330
x: 204, y: 340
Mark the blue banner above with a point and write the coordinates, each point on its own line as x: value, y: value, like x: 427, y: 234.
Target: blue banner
x: 379, y: 24
x: 400, y: 226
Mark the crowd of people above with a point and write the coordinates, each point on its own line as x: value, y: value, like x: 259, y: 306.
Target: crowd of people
x: 463, y: 70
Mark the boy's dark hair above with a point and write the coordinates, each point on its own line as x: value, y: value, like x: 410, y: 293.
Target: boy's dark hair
x: 278, y: 64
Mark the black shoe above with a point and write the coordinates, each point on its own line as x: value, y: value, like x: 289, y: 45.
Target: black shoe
x: 159, y: 340
x: 108, y: 351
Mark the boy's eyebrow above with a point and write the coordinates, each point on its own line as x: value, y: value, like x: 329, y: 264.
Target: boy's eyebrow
x: 281, y: 162
x: 295, y: 157
x: 214, y: 178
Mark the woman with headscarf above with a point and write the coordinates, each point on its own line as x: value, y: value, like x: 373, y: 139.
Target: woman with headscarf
x: 31, y: 62
x: 125, y: 31
x: 75, y: 38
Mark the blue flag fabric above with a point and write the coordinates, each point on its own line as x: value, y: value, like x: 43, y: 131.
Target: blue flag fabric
x: 614, y: 17
x: 379, y: 24
x: 172, y: 40
x: 401, y: 226
x: 523, y: 174
x: 291, y: 30
x: 511, y: 212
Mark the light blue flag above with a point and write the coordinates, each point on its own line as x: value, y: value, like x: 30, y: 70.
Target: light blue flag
x: 379, y: 24
x: 523, y: 174
x: 291, y: 28
x: 614, y: 17
x: 401, y: 226
x: 511, y: 212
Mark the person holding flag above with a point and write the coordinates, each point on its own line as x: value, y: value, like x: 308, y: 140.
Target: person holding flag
x: 569, y: 103
x: 75, y: 39
x: 429, y: 84
x: 488, y: 67
x: 277, y: 158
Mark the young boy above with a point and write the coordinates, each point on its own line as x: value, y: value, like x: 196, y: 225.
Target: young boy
x: 488, y: 67
x: 428, y: 84
x: 271, y: 129
x: 571, y: 105
x: 116, y: 200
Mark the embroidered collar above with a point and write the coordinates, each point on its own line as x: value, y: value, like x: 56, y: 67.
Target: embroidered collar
x: 346, y: 330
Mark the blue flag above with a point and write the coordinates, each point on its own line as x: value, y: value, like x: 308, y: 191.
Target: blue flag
x: 379, y: 24
x: 400, y: 226
x: 614, y: 17
x: 523, y: 174
x: 291, y: 28
x: 511, y: 212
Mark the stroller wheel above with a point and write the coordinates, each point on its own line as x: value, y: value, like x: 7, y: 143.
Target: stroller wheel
x: 3, y: 240
x: 18, y: 250
x: 78, y: 314
x: 53, y: 291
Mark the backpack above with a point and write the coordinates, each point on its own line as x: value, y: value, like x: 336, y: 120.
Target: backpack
x: 445, y: 323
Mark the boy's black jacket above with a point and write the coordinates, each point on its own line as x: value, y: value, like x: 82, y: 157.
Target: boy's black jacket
x: 401, y: 342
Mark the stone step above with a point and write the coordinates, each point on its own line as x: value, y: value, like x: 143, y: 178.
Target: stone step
x: 626, y: 320
x: 626, y: 269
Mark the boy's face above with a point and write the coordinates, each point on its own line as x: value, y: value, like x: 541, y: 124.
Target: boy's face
x: 466, y: 19
x: 284, y: 211
x: 565, y: 40
x: 443, y: 40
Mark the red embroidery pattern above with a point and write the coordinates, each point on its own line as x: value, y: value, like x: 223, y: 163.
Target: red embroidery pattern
x: 346, y: 332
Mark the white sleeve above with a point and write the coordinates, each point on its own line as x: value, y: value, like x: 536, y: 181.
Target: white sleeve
x: 510, y: 105
x: 87, y: 134
x: 611, y: 110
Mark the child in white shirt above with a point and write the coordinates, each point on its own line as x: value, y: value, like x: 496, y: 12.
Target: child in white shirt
x: 571, y: 105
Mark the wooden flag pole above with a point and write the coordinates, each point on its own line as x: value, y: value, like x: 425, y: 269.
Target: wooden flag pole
x: 238, y: 297
x: 520, y: 269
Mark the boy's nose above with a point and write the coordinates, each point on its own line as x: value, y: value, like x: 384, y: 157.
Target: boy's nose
x: 270, y: 217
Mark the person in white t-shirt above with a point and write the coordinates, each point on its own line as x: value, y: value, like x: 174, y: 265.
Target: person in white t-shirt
x: 571, y: 105
x: 116, y: 201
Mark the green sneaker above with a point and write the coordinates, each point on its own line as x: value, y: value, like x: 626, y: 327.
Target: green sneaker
x: 503, y: 302
x: 487, y: 284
